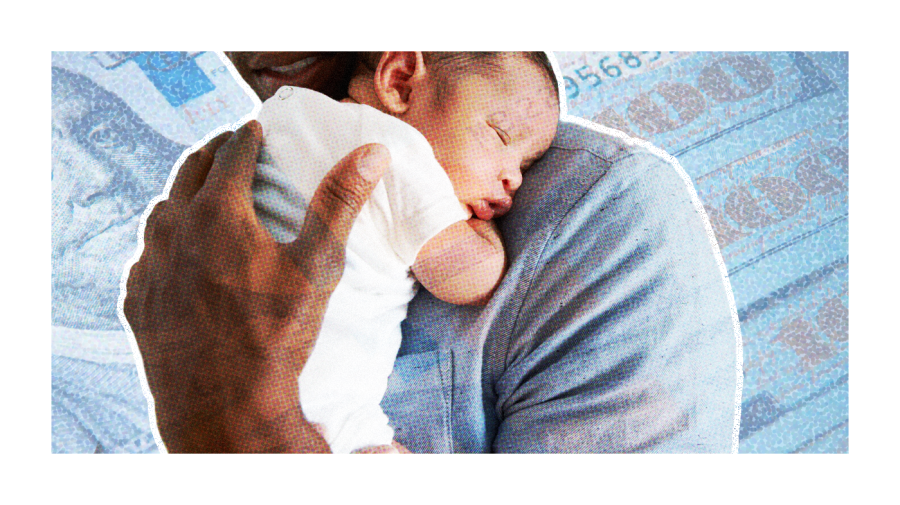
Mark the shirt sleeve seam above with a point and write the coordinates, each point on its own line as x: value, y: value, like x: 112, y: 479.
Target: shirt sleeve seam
x: 507, y: 338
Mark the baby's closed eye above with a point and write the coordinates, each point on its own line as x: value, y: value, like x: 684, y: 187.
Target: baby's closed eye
x: 504, y: 137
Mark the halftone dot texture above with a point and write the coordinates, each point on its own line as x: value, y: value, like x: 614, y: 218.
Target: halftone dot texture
x: 120, y: 120
x: 306, y: 134
x: 94, y: 411
x: 610, y: 333
x: 763, y: 136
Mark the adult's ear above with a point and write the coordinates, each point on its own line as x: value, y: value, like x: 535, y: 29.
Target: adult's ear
x: 398, y: 74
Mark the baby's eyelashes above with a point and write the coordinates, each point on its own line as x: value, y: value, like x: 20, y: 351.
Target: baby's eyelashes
x: 504, y: 137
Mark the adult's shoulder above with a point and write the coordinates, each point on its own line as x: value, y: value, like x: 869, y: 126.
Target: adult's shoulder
x: 621, y: 336
x: 586, y: 159
x: 628, y: 167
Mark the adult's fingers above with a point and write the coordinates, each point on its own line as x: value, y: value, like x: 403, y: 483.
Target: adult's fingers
x: 346, y: 188
x: 340, y: 196
x: 232, y: 172
x: 195, y: 168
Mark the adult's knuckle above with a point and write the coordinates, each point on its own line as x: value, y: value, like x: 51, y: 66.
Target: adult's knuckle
x: 339, y: 192
x: 158, y: 237
x: 159, y: 213
x: 158, y: 229
x: 131, y: 307
x: 319, y: 263
x: 204, y: 154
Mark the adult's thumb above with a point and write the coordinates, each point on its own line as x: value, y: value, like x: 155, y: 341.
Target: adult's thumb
x: 335, y: 204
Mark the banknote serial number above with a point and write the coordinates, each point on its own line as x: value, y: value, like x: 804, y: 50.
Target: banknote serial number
x: 608, y: 67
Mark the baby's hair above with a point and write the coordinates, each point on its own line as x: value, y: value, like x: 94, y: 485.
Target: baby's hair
x: 475, y: 62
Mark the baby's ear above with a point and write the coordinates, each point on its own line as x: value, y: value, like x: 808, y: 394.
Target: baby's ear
x: 397, y: 75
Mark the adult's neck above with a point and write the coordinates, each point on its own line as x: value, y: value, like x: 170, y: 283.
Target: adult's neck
x: 362, y: 89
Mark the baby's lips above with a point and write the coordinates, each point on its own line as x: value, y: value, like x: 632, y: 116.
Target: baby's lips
x: 482, y: 210
x: 501, y: 206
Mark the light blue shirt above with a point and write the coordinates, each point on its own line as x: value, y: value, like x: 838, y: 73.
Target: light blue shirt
x: 611, y: 332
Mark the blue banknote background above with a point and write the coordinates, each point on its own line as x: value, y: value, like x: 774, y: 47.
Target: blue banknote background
x: 764, y: 136
x: 120, y: 121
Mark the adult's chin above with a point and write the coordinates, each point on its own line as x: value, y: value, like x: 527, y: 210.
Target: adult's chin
x: 266, y: 72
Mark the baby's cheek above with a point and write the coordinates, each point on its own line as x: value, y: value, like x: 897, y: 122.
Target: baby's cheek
x: 468, y: 185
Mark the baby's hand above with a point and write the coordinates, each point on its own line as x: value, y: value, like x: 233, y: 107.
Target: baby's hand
x: 463, y: 264
x: 487, y: 230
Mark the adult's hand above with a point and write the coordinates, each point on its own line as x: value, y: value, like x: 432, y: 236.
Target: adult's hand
x: 224, y: 317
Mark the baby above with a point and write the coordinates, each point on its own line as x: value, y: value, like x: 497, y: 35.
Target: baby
x: 460, y: 128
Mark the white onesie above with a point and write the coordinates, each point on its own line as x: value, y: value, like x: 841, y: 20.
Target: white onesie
x: 306, y: 134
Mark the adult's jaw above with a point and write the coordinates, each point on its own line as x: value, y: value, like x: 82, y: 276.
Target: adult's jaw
x: 266, y: 72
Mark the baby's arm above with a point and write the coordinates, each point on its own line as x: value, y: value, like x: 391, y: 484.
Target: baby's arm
x: 462, y: 264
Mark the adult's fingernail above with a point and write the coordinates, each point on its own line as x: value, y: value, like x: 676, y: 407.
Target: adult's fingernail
x: 372, y: 166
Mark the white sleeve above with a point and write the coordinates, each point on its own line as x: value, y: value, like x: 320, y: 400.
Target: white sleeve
x: 420, y: 195
x: 307, y: 133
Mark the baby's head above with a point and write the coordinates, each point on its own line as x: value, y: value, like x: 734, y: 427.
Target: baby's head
x: 488, y: 116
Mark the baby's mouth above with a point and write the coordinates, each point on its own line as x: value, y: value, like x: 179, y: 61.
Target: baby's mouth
x: 482, y: 210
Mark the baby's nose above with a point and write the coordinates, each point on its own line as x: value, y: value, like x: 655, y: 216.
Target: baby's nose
x: 512, y: 179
